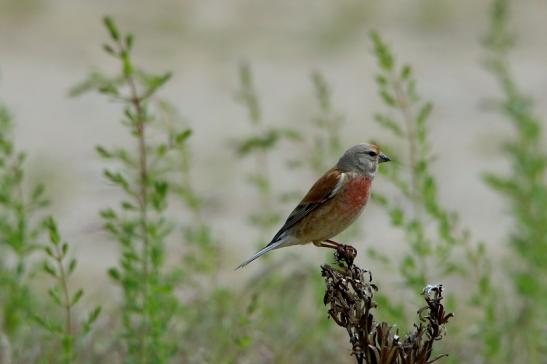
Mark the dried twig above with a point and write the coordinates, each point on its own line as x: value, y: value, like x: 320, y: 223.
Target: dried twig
x: 349, y: 294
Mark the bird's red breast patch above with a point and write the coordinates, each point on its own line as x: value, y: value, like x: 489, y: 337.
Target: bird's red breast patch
x: 357, y: 192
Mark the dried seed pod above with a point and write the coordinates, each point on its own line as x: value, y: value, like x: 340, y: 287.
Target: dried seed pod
x: 349, y: 294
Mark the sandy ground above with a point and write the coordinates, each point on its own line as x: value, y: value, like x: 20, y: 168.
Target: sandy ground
x: 47, y: 46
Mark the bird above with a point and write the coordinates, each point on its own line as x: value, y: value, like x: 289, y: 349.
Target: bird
x: 333, y: 202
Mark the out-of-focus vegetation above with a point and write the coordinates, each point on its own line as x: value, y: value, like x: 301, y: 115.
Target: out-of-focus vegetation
x: 20, y: 228
x: 434, y: 237
x: 64, y: 335
x: 172, y: 303
x: 140, y: 224
x: 525, y: 191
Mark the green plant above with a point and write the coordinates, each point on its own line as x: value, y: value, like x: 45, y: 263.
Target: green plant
x: 327, y: 144
x: 432, y: 233
x: 20, y: 229
x: 140, y: 224
x: 280, y: 321
x: 212, y: 315
x: 525, y: 190
x: 260, y: 144
x: 63, y: 331
x: 327, y: 124
x: 202, y: 254
x: 398, y: 91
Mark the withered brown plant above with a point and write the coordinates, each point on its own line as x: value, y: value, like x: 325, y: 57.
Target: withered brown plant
x: 349, y: 295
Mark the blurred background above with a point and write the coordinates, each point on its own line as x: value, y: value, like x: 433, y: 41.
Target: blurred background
x: 46, y: 47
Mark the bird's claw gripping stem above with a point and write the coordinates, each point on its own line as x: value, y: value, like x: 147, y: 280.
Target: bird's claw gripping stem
x: 346, y: 253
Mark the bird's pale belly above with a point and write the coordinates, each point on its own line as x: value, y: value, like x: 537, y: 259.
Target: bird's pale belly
x: 337, y: 214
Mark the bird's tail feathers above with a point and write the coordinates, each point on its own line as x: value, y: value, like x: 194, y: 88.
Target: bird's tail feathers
x: 273, y: 245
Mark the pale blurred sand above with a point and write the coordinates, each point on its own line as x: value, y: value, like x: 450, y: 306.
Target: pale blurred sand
x: 47, y: 46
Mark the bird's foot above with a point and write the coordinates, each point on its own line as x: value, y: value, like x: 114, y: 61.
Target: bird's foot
x: 344, y: 253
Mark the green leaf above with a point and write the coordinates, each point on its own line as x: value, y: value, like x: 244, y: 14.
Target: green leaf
x: 406, y: 72
x: 111, y: 27
x: 108, y: 49
x: 397, y: 216
x: 129, y: 41
x: 55, y: 296
x: 72, y: 266
x: 114, y: 273
x: 127, y: 66
x: 265, y: 141
x: 383, y: 55
x: 49, y: 269
x: 38, y: 193
x: 322, y: 91
x: 183, y: 136
x: 49, y: 251
x: 159, y: 195
x: 381, y: 80
x: 247, y: 94
x: 77, y: 297
x: 47, y: 325
x: 389, y: 124
x: 108, y: 214
x: 117, y: 178
x: 155, y: 82
x: 244, y: 342
x: 126, y: 206
x: 51, y: 225
x: 64, y: 249
x: 91, y: 319
x: 388, y: 98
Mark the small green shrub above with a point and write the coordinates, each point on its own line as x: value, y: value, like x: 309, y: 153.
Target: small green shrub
x: 525, y: 190
x: 20, y: 230
x: 438, y: 246
x: 65, y: 335
x: 140, y: 223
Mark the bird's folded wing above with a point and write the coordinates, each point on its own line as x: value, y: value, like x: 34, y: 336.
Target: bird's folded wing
x: 323, y: 190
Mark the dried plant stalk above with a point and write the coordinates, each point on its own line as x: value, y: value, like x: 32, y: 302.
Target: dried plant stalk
x: 349, y: 295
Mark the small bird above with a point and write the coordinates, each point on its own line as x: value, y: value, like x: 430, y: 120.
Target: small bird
x: 332, y: 203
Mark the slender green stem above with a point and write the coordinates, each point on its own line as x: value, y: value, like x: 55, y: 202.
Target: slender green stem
x: 67, y: 305
x: 143, y: 182
x: 140, y: 120
x: 262, y: 168
x: 23, y: 231
x: 404, y: 106
x: 409, y: 121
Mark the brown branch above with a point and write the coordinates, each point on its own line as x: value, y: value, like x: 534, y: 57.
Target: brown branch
x: 349, y: 295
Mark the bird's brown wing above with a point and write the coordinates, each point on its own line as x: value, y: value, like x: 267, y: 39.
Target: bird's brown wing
x: 323, y: 190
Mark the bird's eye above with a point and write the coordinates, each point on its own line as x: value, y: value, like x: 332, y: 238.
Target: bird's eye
x: 372, y: 154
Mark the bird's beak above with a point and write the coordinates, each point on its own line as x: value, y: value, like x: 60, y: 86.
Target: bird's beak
x: 382, y: 158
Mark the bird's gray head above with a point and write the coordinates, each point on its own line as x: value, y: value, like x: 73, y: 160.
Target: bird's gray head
x: 363, y: 159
